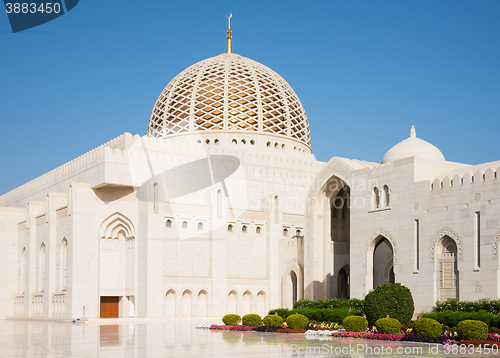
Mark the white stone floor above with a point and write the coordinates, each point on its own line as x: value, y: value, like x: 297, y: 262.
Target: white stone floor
x: 117, y: 338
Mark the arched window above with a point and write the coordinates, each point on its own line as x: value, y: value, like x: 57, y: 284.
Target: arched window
x: 22, y: 271
x: 200, y: 226
x: 244, y: 228
x: 155, y: 197
x: 198, y: 141
x: 257, y: 230
x: 276, y: 145
x: 219, y: 209
x: 298, y: 233
x: 207, y: 141
x: 252, y: 142
x: 268, y: 144
x: 168, y: 223
x: 386, y: 195
x: 295, y: 148
x: 276, y: 206
x: 216, y: 142
x: 63, y: 263
x: 282, y: 146
x: 243, y: 141
x: 41, y: 268
x: 230, y: 228
x: 184, y: 224
x: 234, y: 141
x: 376, y: 198
x: 285, y: 232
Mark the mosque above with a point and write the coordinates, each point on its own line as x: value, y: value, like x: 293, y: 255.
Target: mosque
x: 223, y: 208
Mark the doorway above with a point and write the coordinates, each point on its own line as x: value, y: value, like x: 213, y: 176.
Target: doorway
x: 110, y: 306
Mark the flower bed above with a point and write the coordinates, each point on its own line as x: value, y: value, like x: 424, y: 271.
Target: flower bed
x: 324, y: 330
x: 289, y: 330
x: 231, y: 328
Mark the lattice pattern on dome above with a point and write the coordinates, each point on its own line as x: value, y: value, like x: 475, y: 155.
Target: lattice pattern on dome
x: 229, y: 93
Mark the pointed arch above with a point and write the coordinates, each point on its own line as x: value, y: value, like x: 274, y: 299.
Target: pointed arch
x: 496, y: 244
x: 246, y: 302
x: 232, y: 301
x: 292, y: 284
x: 171, y: 303
x: 440, y: 235
x: 261, y: 303
x: 202, y: 301
x: 115, y: 223
x: 375, y: 238
x: 63, y: 263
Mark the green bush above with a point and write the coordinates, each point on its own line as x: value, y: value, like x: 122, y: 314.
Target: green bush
x: 388, y: 325
x: 231, y: 319
x: 251, y: 319
x: 353, y: 303
x: 393, y: 300
x: 427, y: 327
x: 494, y: 330
x: 336, y: 315
x: 355, y: 324
x: 471, y: 329
x: 273, y: 320
x: 451, y: 319
x: 452, y: 304
x: 297, y: 321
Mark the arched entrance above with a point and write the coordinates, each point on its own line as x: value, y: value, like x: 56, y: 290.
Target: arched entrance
x: 383, y: 267
x: 380, y: 260
x: 327, y: 230
x: 447, y: 269
x: 116, y: 266
x: 343, y: 283
x: 340, y: 239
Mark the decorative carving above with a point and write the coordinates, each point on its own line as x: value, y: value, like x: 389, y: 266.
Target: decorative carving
x: 496, y: 241
x: 477, y: 196
x: 416, y: 206
x: 386, y: 234
x: 450, y: 233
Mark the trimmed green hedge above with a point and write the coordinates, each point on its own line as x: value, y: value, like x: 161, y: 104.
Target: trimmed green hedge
x: 315, y: 314
x: 393, y: 300
x: 471, y: 330
x: 251, y: 319
x: 231, y: 319
x: 490, y: 306
x: 451, y: 318
x: 427, y: 327
x: 388, y: 326
x: 297, y: 321
x: 272, y: 320
x: 355, y: 324
x: 353, y: 303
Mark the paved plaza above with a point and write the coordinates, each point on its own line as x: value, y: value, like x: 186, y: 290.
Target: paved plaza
x: 115, y: 338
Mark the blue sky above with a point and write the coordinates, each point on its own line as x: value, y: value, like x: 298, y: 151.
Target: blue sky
x: 365, y: 71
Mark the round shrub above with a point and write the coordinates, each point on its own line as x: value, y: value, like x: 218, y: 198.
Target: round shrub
x: 251, y: 319
x: 273, y: 320
x: 297, y: 321
x: 388, y: 326
x: 393, y: 300
x: 355, y: 324
x: 471, y: 329
x: 427, y: 327
x: 231, y: 319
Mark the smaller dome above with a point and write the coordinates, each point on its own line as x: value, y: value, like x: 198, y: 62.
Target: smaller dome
x: 413, y: 147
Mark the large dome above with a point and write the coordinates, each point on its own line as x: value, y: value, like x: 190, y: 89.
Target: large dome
x: 413, y: 147
x: 229, y: 93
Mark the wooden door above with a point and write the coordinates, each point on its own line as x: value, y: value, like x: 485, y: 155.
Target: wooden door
x: 109, y: 306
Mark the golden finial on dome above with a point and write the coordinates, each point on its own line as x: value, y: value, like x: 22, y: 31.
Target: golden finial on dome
x: 229, y: 37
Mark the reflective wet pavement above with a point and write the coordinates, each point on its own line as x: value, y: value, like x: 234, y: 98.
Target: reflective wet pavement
x: 182, y: 339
